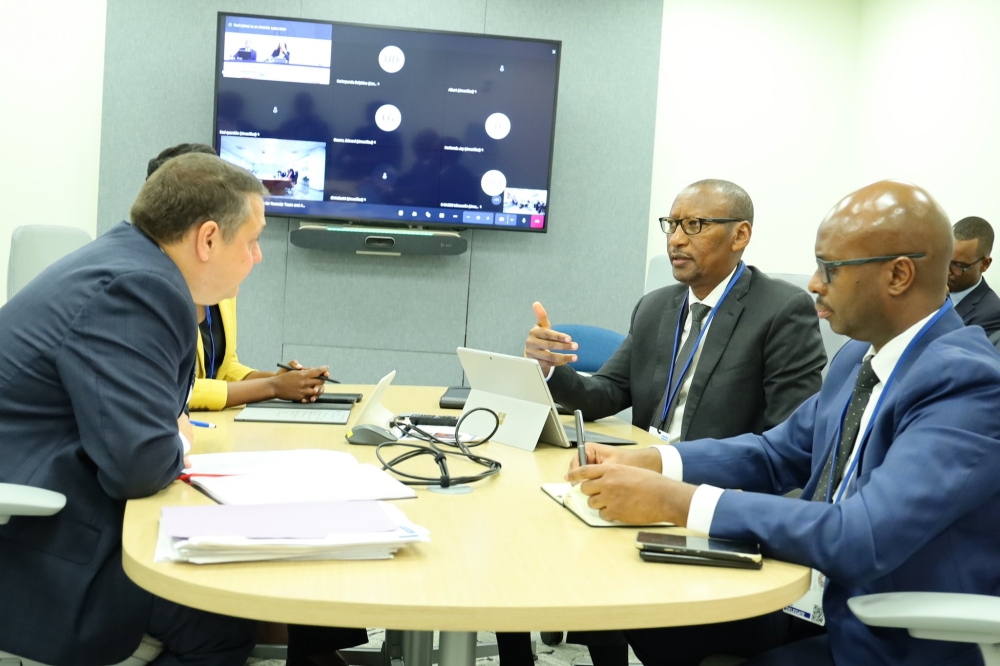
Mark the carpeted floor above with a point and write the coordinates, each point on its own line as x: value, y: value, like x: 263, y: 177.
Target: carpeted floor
x: 546, y: 655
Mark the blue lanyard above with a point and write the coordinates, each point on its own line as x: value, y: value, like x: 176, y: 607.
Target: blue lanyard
x: 210, y: 370
x: 672, y: 394
x: 878, y: 405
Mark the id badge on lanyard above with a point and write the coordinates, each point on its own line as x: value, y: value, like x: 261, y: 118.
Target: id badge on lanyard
x: 810, y: 606
x: 656, y: 432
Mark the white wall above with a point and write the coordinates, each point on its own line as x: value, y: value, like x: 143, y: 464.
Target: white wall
x: 931, y: 85
x: 759, y: 93
x: 803, y: 102
x: 51, y: 86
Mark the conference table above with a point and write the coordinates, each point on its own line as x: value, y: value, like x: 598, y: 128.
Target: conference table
x: 504, y: 557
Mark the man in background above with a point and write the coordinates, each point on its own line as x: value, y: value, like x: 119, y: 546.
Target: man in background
x: 974, y: 301
x: 727, y: 351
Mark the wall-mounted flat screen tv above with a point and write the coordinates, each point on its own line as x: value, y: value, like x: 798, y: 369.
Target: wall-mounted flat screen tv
x: 378, y: 125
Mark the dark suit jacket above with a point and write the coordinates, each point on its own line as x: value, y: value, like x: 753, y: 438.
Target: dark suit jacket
x: 763, y: 356
x: 981, y: 307
x: 96, y: 360
x: 922, y: 515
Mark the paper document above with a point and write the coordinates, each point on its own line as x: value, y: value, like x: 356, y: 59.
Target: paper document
x: 360, y: 541
x: 275, y: 521
x: 575, y: 500
x: 296, y: 476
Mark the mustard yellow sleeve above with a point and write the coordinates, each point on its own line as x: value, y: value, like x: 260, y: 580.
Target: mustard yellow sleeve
x: 209, y: 394
x: 236, y: 371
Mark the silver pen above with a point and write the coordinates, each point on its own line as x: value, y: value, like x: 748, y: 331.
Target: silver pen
x: 581, y: 445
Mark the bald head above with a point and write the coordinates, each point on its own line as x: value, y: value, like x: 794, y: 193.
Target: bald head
x: 887, y: 219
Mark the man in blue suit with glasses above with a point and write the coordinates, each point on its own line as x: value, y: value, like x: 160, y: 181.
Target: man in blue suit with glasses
x: 898, y: 454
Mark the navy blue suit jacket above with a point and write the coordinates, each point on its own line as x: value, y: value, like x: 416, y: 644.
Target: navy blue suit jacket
x: 923, y: 513
x: 96, y: 361
x: 981, y: 307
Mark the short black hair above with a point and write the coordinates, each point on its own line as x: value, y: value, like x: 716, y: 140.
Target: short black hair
x: 174, y: 151
x: 740, y: 205
x: 977, y: 228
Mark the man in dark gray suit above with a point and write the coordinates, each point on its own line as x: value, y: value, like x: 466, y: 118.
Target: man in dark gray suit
x: 760, y: 353
x: 97, y: 360
x: 975, y: 302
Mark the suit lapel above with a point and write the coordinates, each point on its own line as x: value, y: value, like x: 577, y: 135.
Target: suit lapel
x: 968, y: 304
x: 716, y: 340
x: 669, y: 323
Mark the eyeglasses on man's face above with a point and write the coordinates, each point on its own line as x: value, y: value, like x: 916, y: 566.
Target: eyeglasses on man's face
x: 828, y: 269
x: 957, y: 268
x: 692, y: 225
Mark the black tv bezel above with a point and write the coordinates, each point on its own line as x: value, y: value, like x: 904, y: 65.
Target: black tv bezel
x: 389, y: 223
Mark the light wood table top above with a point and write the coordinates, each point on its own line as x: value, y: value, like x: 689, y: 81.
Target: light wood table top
x: 503, y: 558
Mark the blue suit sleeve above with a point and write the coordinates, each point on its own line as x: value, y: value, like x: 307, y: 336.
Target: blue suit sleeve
x: 120, y: 364
x: 943, y: 463
x: 774, y: 462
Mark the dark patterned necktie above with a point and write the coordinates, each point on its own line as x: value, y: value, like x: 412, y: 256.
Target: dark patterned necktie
x: 863, y: 385
x: 698, y: 313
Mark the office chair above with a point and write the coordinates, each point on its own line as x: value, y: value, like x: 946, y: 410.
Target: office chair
x: 36, y: 246
x: 936, y: 616
x: 596, y: 345
x: 832, y: 341
x: 17, y: 500
x: 659, y: 273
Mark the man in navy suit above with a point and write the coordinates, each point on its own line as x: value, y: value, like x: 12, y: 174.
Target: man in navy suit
x: 897, y: 454
x: 974, y: 301
x: 97, y: 358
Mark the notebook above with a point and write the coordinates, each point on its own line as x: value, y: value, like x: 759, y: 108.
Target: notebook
x: 281, y: 411
x: 572, y: 498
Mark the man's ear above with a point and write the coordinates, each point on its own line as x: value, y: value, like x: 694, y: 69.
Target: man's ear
x: 208, y: 237
x: 986, y: 263
x: 741, y: 236
x: 903, y: 274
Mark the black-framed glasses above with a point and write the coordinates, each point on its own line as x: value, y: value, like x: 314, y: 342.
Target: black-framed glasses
x: 958, y: 268
x: 823, y: 267
x: 691, y: 225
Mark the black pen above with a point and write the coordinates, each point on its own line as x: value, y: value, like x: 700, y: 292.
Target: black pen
x: 325, y: 379
x: 581, y: 445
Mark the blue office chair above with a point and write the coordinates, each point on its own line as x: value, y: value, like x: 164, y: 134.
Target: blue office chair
x: 596, y: 345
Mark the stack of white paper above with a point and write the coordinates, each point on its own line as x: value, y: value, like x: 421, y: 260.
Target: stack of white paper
x: 317, y: 531
x: 299, y: 475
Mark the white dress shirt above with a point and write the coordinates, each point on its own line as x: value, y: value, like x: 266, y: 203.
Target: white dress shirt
x: 706, y: 497
x: 957, y: 296
x: 674, y: 433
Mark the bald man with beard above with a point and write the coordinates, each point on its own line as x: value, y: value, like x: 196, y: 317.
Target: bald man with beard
x: 897, y: 454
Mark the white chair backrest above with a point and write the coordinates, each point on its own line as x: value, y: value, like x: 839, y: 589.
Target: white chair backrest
x: 35, y: 247
x: 659, y: 273
x: 832, y: 342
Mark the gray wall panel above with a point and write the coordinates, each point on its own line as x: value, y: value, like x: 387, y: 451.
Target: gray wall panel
x: 589, y: 267
x: 158, y: 87
x: 367, y: 366
x: 261, y: 303
x: 403, y: 303
x: 457, y: 15
x: 373, y: 313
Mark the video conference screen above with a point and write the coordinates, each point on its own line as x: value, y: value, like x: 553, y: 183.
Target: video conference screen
x: 383, y: 125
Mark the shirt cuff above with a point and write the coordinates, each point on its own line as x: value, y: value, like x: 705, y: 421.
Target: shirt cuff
x: 551, y: 370
x: 702, y: 509
x: 670, y: 462
x: 185, y: 444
